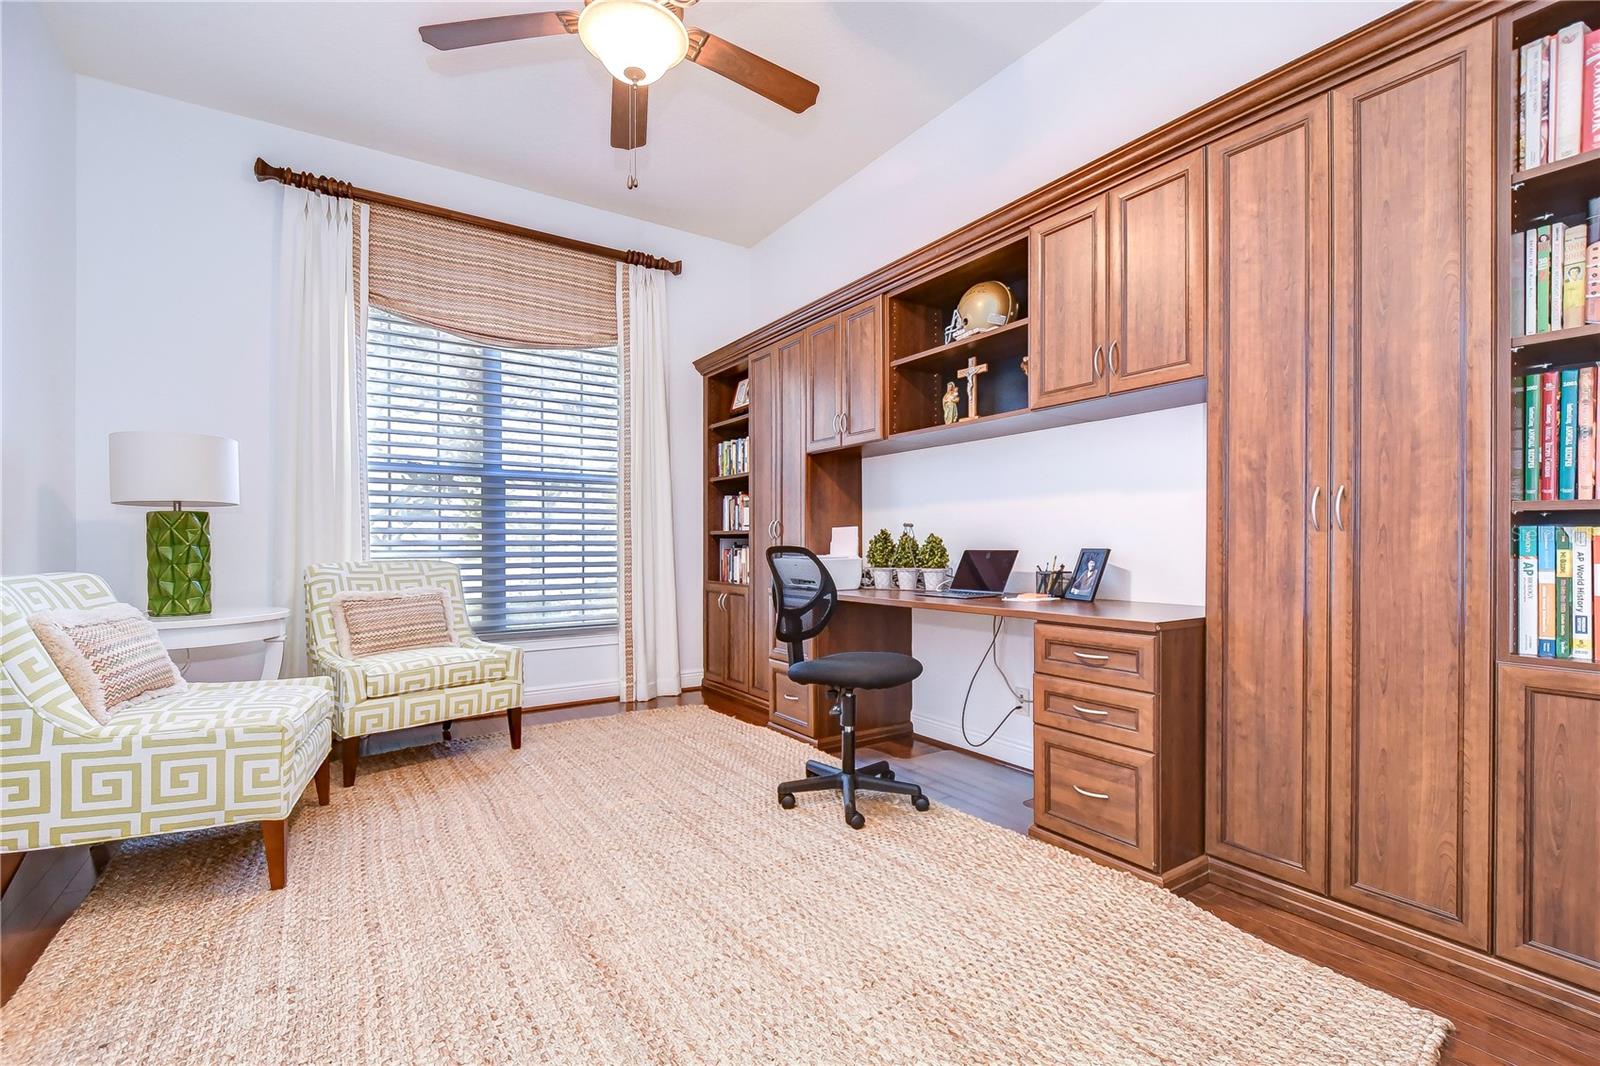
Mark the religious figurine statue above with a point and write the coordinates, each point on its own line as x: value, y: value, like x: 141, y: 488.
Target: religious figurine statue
x: 952, y: 403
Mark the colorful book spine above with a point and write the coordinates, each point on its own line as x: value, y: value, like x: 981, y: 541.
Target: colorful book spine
x: 1547, y: 592
x: 1541, y: 305
x: 1567, y: 474
x: 1574, y: 263
x: 1558, y: 252
x: 1518, y: 267
x: 1591, y: 296
x: 1563, y: 593
x: 1547, y: 58
x: 1568, y: 91
x: 1586, y: 437
x: 1531, y: 404
x: 1519, y: 436
x: 1549, y: 406
x: 1528, y: 98
x: 1530, y: 283
x: 1582, y: 594
x: 1591, y: 91
x: 1528, y: 590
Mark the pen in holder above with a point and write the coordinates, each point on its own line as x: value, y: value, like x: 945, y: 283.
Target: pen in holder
x: 1051, y: 582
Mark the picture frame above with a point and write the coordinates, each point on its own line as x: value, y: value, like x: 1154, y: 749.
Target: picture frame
x: 741, y: 395
x: 1087, y: 573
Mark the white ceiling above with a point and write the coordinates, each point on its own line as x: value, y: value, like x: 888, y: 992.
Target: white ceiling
x: 720, y: 160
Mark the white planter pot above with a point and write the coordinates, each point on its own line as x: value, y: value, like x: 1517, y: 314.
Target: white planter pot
x: 906, y: 579
x: 883, y: 577
x: 935, y: 579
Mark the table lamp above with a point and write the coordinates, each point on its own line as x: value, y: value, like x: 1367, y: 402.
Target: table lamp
x: 155, y: 469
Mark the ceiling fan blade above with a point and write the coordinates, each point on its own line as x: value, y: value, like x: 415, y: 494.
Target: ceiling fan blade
x: 473, y: 32
x: 619, y: 114
x: 761, y: 76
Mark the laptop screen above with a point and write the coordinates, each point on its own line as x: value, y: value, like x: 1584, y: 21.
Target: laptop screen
x: 984, y: 571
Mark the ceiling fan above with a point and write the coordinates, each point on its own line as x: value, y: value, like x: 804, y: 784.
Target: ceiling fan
x: 638, y: 41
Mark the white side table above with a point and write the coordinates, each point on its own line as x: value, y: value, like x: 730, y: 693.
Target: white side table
x: 228, y: 625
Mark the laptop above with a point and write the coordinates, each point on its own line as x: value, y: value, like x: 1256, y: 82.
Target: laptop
x: 980, y: 573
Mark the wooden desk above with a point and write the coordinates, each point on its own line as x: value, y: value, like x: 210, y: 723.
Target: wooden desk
x: 1118, y: 718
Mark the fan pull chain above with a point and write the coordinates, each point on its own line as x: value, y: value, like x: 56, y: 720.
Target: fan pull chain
x: 633, y: 136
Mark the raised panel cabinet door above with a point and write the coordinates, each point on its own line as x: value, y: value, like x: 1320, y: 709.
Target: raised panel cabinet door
x: 736, y: 609
x: 1412, y: 678
x: 1267, y: 619
x: 1157, y: 276
x: 1547, y: 822
x: 1067, y: 322
x: 861, y: 375
x: 791, y: 420
x: 716, y: 639
x: 824, y: 348
x: 765, y: 472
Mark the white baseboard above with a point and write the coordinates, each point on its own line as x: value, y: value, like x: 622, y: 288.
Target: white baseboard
x: 1007, y: 749
x: 692, y: 678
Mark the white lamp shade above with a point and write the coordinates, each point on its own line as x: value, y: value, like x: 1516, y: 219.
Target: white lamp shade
x: 151, y: 469
x: 637, y: 35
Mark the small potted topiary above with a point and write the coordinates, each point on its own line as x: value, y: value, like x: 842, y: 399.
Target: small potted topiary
x: 880, y: 559
x: 935, y: 562
x: 906, y: 561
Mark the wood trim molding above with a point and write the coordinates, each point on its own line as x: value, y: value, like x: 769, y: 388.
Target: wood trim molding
x: 1547, y: 993
x: 1406, y: 29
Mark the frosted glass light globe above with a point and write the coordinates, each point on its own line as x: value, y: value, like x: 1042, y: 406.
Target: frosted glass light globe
x: 637, y: 35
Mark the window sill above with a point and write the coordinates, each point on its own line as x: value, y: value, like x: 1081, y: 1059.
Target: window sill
x: 587, y: 637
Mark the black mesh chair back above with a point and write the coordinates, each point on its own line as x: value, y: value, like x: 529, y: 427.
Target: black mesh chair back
x: 803, y: 596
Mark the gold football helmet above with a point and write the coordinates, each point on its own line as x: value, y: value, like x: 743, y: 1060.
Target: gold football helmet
x: 987, y: 305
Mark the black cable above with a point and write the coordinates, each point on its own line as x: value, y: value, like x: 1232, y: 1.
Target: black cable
x: 988, y: 653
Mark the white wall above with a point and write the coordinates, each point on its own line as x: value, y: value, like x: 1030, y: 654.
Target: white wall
x: 36, y: 297
x: 177, y: 269
x: 1135, y: 485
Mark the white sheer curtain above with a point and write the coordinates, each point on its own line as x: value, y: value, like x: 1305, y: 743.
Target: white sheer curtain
x: 647, y: 644
x: 321, y: 483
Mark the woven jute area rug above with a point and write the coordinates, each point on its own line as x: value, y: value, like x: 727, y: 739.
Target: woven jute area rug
x: 626, y: 889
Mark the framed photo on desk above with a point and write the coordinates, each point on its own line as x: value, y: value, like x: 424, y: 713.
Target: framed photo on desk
x: 1087, y: 574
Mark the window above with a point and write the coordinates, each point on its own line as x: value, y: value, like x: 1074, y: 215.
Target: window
x: 501, y: 460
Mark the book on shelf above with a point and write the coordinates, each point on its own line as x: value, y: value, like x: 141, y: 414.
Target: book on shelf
x: 1574, y: 264
x: 1531, y: 436
x: 1582, y: 593
x: 1586, y: 438
x: 1558, y: 252
x: 733, y: 457
x: 1546, y: 605
x: 1519, y: 270
x: 1549, y: 408
x: 733, y: 564
x: 1555, y: 275
x: 1527, y: 538
x: 1563, y: 592
x: 1519, y: 436
x: 1567, y: 91
x: 1558, y: 79
x: 1567, y: 474
x: 1591, y: 296
x: 1554, y: 608
x: 1591, y: 91
x: 1541, y: 291
x: 736, y: 512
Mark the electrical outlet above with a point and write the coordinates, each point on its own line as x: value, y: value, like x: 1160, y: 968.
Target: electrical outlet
x: 1025, y: 698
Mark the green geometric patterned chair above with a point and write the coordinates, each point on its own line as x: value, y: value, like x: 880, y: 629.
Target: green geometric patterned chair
x: 214, y: 754
x: 402, y: 689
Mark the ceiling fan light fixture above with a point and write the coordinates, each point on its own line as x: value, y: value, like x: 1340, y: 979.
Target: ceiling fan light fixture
x: 636, y: 40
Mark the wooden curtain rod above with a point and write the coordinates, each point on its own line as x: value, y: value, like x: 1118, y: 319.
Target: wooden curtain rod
x: 334, y: 187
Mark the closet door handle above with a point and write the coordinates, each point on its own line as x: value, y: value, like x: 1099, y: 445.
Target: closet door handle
x: 1093, y: 711
x: 1091, y: 795
x: 1094, y: 363
x: 1114, y: 368
x: 1091, y: 656
x: 1338, y: 508
x: 1316, y: 495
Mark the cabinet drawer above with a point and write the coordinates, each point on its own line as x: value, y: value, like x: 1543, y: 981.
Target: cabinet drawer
x: 1098, y: 794
x: 1103, y: 656
x: 1118, y: 715
x: 792, y: 704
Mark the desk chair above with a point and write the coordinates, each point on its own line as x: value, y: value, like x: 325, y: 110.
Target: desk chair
x: 804, y: 596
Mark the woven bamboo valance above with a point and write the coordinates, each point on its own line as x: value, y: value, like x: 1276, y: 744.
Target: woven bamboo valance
x: 488, y: 286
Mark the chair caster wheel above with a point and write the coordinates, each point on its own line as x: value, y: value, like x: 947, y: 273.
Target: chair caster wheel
x: 919, y: 802
x: 786, y: 801
x: 855, y: 820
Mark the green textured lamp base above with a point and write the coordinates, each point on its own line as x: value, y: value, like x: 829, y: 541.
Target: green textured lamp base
x: 177, y: 547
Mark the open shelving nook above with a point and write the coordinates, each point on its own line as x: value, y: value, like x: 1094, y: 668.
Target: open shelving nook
x: 1553, y: 192
x: 723, y: 424
x: 921, y: 364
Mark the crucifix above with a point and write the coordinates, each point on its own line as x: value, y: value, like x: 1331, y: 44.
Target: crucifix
x: 974, y: 368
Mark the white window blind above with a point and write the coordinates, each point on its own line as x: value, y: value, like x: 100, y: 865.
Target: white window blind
x: 501, y: 460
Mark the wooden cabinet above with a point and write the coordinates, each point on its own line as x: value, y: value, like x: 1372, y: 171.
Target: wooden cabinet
x: 1412, y: 680
x: 1547, y: 822
x: 767, y: 446
x: 728, y: 639
x: 1267, y: 622
x: 1119, y: 288
x: 844, y: 378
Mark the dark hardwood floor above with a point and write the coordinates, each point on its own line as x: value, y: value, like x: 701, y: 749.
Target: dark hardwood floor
x: 1490, y: 1027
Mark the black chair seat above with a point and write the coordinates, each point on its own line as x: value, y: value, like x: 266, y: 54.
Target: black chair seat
x: 857, y: 669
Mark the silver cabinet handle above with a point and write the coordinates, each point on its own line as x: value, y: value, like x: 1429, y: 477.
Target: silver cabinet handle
x: 1094, y: 363
x: 722, y: 601
x: 1091, y: 656
x: 1316, y: 494
x: 1091, y: 795
x: 1114, y: 368
x: 844, y: 422
x: 791, y: 697
x: 777, y: 529
x: 1096, y: 712
x: 1338, y: 508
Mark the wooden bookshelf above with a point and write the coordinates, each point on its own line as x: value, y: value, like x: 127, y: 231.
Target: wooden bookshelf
x: 723, y: 424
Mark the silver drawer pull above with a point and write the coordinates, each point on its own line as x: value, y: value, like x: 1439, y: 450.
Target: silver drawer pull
x: 1091, y: 795
x: 1091, y: 656
x: 1090, y: 710
x: 790, y: 696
